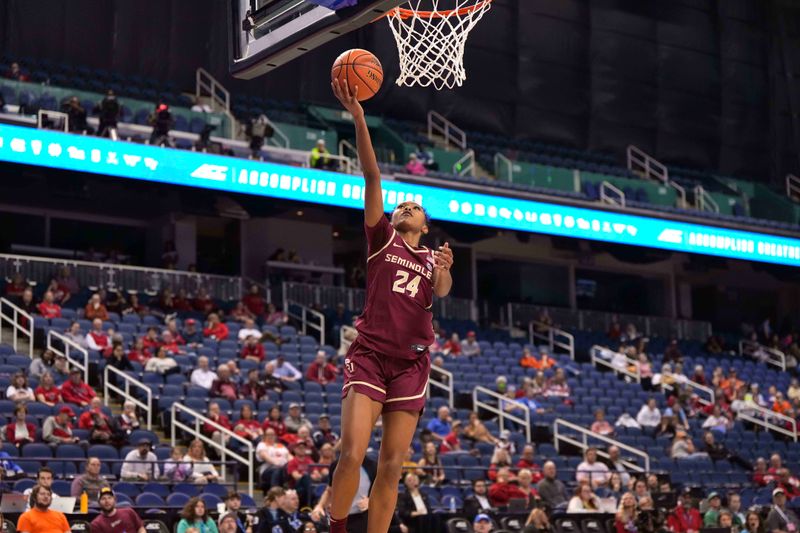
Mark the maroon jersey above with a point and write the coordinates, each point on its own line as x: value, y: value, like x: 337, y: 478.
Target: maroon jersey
x: 397, y: 314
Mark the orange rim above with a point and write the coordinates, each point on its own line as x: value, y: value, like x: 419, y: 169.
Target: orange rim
x: 409, y: 13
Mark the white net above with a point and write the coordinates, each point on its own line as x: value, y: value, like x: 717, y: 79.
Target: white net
x: 431, y: 38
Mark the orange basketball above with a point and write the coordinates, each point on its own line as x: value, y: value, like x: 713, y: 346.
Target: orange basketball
x: 358, y: 68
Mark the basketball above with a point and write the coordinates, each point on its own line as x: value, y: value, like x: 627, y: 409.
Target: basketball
x: 358, y: 68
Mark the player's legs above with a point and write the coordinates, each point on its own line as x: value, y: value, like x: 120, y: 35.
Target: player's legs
x: 359, y: 414
x: 398, y: 431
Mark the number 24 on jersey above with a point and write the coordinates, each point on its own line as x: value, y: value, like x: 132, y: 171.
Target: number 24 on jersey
x: 403, y: 285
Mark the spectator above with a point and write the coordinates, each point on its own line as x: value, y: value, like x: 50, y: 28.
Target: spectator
x: 684, y: 518
x: 252, y: 389
x: 719, y: 452
x: 478, y: 501
x: 140, y: 464
x: 440, y: 426
x: 321, y: 371
x: 453, y: 346
x: 254, y: 302
x: 16, y: 288
x: 95, y: 309
x: 162, y: 363
x: 248, y: 426
x: 248, y: 330
x: 552, y: 491
x: 415, y: 166
x: 194, y: 518
x: 320, y: 157
x: 272, y: 454
x: 672, y: 353
x: 14, y: 72
x: 77, y: 116
x: 735, y: 508
x: 615, y: 465
x: 127, y: 421
x: 57, y: 429
x: 19, y: 391
x: 20, y: 432
x: 75, y: 334
x: 224, y: 386
x: 257, y: 130
x: 583, y: 500
x: 788, y: 483
x: 42, y: 364
x: 592, y: 471
x: 111, y: 519
x: 203, y: 376
x: 40, y: 518
x: 753, y: 523
x: 475, y: 430
x: 501, y: 457
x: 109, y: 111
x: 413, y: 503
x: 324, y: 433
x: 299, y: 473
x: 47, y: 392
x: 649, y: 416
x: 175, y: 469
x: 48, y: 308
x: 295, y: 419
x: 780, y: 518
x: 430, y: 469
x: 527, y: 460
x: 215, y: 329
x: 139, y: 354
x: 170, y: 343
x: 627, y: 516
x: 192, y: 335
x: 451, y: 442
x: 162, y: 122
x: 525, y: 480
x: 97, y: 339
x: 100, y: 426
x: 275, y: 316
x: 218, y: 419
x: 203, y: 471
x: 537, y: 522
x: 274, y: 420
x: 241, y: 520
x: 240, y: 313
x: 252, y: 350
x: 9, y: 470
x: 683, y: 447
x: 90, y: 481
x: 285, y: 371
x: 558, y: 386
x: 711, y: 517
x: 119, y: 361
x: 601, y: 425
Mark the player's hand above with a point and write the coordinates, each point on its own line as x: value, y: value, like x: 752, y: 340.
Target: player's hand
x: 347, y: 99
x: 317, y: 514
x: 443, y: 257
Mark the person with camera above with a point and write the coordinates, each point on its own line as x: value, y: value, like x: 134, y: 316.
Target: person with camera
x: 162, y: 121
x: 77, y: 116
x: 108, y: 111
x: 258, y: 130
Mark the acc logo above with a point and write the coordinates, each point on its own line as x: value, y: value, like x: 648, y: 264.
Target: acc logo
x: 348, y: 364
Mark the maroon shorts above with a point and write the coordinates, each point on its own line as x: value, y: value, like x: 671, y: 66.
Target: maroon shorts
x: 399, y: 384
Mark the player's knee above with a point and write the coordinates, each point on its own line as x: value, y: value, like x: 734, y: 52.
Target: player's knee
x: 351, y: 457
x: 390, y: 466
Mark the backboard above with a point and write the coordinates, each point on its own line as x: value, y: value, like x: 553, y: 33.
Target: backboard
x: 265, y: 34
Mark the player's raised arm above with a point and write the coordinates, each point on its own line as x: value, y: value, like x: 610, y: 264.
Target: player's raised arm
x: 373, y: 203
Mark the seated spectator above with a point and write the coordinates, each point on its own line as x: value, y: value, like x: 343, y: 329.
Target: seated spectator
x: 412, y: 503
x: 731, y: 384
x: 299, y: 473
x: 203, y: 471
x: 100, y: 426
x: 57, y: 428
x: 252, y: 350
x: 175, y: 469
x: 717, y: 421
x: 537, y: 522
x: 592, y: 471
x: 248, y: 330
x: 614, y: 462
x: 95, y: 309
x: 97, y: 339
x: 47, y: 392
x: 711, y: 516
x: 451, y: 443
x: 40, y: 365
x: 9, y: 470
x: 470, y: 346
x: 127, y: 421
x: 170, y: 343
x: 478, y: 501
x: 274, y: 421
x: 140, y: 464
x: 119, y: 361
x: 672, y: 353
x: 248, y: 426
x: 75, y: 334
x: 558, y: 385
x: 780, y: 518
x: 781, y: 405
x: 789, y: 483
x: 285, y: 371
x: 324, y: 433
x: 252, y: 389
x: 203, y: 376
x: 415, y: 166
x: 501, y: 457
x: 295, y: 419
x: 192, y: 335
x: 90, y: 481
x: 275, y: 317
x: 224, y: 386
x: 202, y: 302
x: 195, y: 518
x: 584, y: 500
x: 526, y: 484
x: 19, y: 391
x: 19, y: 432
x: 627, y: 515
x: 75, y: 390
x: 321, y: 371
x: 453, y: 346
x: 649, y: 416
x: 601, y: 425
x: 761, y: 476
x: 240, y: 313
x: 430, y: 469
x: 219, y: 418
x: 151, y: 341
x: 475, y: 430
x: 272, y: 454
x: 16, y: 288
x: 440, y: 426
x: 685, y: 518
x: 683, y: 447
x: 139, y: 354
x: 48, y: 308
x: 552, y: 490
x: 527, y: 460
x: 162, y: 363
x: 254, y: 302
x: 215, y: 329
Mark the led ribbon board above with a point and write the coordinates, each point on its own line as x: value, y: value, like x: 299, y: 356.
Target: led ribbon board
x: 196, y: 169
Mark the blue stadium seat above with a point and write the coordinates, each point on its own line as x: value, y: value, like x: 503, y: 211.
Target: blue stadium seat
x: 149, y: 499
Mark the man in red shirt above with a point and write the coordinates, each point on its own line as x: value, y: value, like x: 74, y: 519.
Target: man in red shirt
x: 95, y: 309
x: 224, y: 386
x: 113, y: 520
x: 503, y: 490
x: 97, y: 339
x: 216, y: 415
x: 526, y: 461
x: 48, y: 308
x: 299, y: 473
x: 75, y: 390
x: 252, y: 349
x: 451, y: 443
x: 96, y: 421
x: 684, y: 518
x: 169, y: 342
x: 215, y: 329
x: 254, y: 301
x: 321, y: 370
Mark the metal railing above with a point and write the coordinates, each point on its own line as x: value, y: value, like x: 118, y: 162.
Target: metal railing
x: 453, y: 135
x: 521, y: 314
x: 349, y: 157
x: 793, y: 187
x: 278, y: 139
x: 11, y: 314
x: 67, y: 349
x: 120, y: 277
x: 647, y: 166
x: 609, y: 194
x: 602, y: 356
x: 444, y: 382
x: 207, y: 85
x: 703, y: 200
x: 465, y: 166
x: 499, y: 410
x: 583, y: 443
x: 501, y: 161
x: 223, y: 451
x: 146, y: 407
x: 694, y: 386
x: 305, y: 318
x: 771, y: 356
x: 554, y: 337
x: 766, y: 418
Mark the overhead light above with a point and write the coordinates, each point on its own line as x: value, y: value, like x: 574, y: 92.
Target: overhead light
x: 335, y: 233
x: 299, y: 213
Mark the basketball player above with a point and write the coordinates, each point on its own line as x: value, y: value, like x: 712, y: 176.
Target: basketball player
x: 387, y: 366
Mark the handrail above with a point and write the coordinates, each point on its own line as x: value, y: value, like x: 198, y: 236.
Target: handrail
x: 646, y: 165
x: 501, y: 413
x: 552, y: 338
x: 351, y: 162
x: 694, y: 386
x: 704, y: 201
x: 126, y: 393
x: 304, y: 317
x: 597, y: 353
x: 509, y: 173
x: 41, y: 113
x: 16, y: 327
x: 766, y: 354
x: 616, y: 198
x: 766, y: 419
x: 682, y: 202
x: 445, y: 384
x: 207, y: 85
x: 792, y: 187
x: 465, y: 165
x: 69, y: 346
x: 438, y: 123
x: 583, y: 444
x: 278, y: 133
x: 223, y: 451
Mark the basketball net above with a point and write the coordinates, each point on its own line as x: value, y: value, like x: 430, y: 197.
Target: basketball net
x: 431, y: 43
